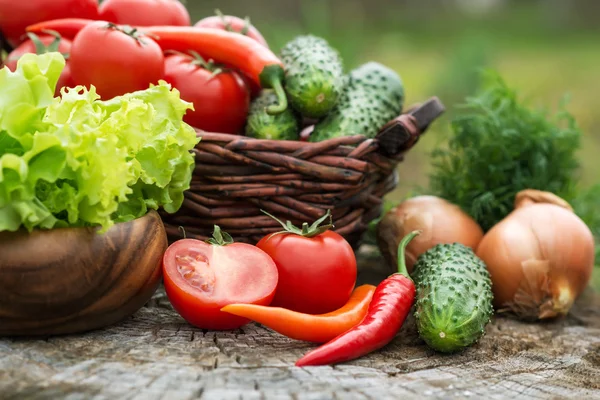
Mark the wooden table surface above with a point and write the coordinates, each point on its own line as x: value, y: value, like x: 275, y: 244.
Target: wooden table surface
x: 156, y: 355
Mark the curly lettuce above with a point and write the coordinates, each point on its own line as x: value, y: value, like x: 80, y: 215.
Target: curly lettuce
x: 76, y: 160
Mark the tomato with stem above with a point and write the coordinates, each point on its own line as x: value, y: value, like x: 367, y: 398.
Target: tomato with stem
x: 317, y: 266
x: 115, y: 59
x: 221, y: 98
x: 232, y: 23
x: 202, y: 277
x: 145, y: 12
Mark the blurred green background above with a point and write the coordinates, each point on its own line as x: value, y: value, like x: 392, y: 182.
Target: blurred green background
x: 544, y: 48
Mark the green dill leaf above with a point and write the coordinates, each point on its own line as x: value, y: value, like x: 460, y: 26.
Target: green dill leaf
x: 499, y: 146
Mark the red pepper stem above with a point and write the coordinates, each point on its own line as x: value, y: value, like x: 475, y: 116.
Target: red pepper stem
x: 401, y: 253
x: 272, y: 77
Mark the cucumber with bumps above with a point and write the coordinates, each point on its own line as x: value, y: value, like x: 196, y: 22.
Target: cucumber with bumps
x: 373, y: 96
x: 262, y: 125
x: 314, y: 75
x: 454, y: 297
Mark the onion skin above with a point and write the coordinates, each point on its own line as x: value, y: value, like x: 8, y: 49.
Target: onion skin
x: 439, y: 221
x: 540, y: 257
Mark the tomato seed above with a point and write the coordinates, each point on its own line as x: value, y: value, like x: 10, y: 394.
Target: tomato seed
x: 204, y: 282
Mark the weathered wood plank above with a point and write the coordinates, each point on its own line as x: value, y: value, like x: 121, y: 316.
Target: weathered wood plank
x: 156, y: 355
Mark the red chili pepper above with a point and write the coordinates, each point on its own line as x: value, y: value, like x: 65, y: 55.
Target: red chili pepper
x: 390, y: 306
x: 318, y: 328
x: 68, y: 28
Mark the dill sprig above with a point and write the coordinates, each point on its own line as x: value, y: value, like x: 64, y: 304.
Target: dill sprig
x: 499, y: 146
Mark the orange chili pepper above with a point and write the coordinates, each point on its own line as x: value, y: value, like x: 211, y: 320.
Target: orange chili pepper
x: 312, y: 328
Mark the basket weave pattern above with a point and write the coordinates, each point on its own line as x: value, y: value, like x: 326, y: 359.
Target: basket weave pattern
x: 236, y: 177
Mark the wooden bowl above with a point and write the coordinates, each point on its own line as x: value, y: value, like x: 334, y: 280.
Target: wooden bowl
x: 71, y: 280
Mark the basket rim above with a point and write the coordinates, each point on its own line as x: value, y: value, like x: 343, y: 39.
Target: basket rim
x: 392, y: 139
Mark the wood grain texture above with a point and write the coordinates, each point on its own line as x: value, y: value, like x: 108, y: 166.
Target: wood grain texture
x: 155, y: 355
x: 74, y: 279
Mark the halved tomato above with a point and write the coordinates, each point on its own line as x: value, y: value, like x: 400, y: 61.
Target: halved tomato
x: 201, y: 277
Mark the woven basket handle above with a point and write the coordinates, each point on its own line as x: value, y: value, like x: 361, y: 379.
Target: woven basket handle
x: 403, y: 132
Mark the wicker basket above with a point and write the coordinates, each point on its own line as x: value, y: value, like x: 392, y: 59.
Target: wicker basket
x: 236, y: 177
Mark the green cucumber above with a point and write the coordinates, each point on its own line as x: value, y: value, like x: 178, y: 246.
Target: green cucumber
x: 262, y: 125
x: 373, y: 96
x: 381, y: 80
x: 314, y: 74
x: 454, y: 297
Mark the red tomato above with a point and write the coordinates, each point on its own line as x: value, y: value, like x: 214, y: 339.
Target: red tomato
x: 64, y: 46
x: 115, y: 61
x: 201, y: 278
x: 16, y: 15
x: 253, y: 86
x: 316, y: 274
x: 145, y: 12
x: 233, y: 24
x: 221, y: 101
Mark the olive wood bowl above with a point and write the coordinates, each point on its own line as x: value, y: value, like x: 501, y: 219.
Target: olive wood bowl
x: 70, y: 280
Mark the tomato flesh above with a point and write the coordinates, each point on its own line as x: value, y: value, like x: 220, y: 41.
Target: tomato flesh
x: 195, y: 269
x: 316, y: 275
x: 201, y: 278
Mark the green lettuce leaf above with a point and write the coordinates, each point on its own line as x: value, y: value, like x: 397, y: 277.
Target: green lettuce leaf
x: 79, y: 161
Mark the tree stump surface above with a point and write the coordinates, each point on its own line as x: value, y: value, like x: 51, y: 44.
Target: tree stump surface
x: 155, y: 354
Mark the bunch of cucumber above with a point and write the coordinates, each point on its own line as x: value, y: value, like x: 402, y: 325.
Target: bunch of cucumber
x: 357, y: 103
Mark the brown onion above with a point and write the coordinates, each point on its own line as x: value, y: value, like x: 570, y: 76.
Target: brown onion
x: 540, y: 257
x: 438, y: 220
